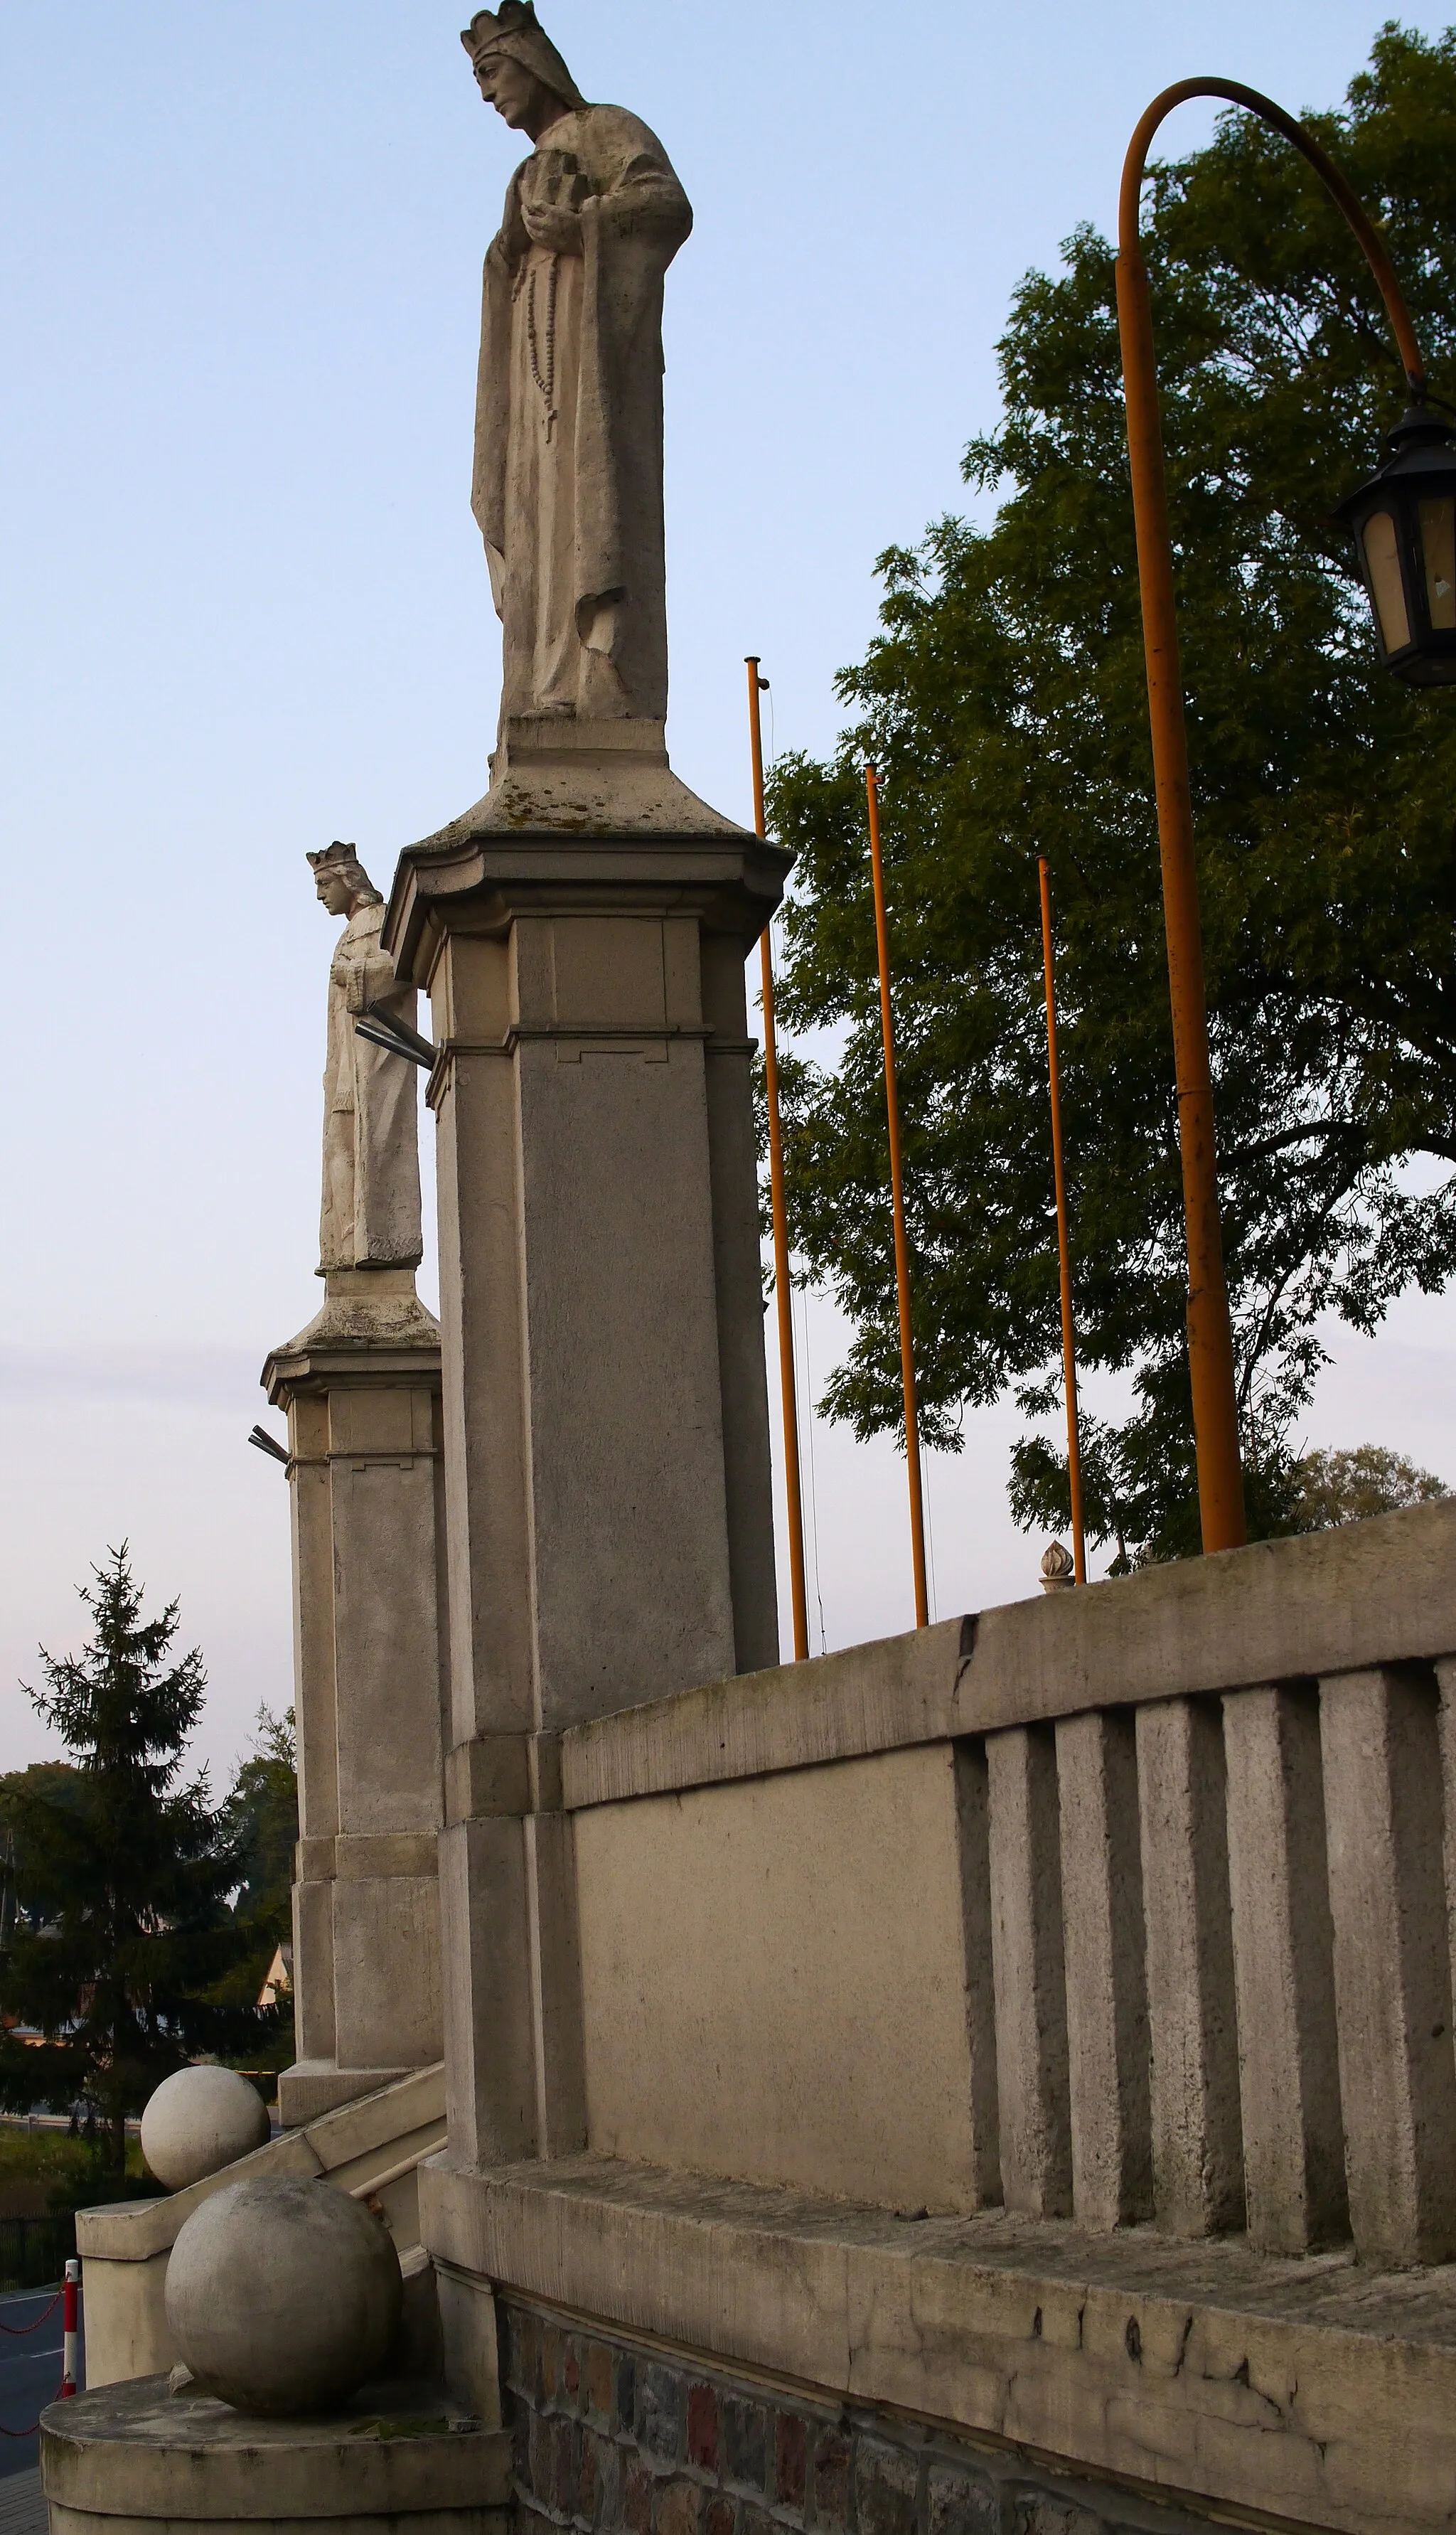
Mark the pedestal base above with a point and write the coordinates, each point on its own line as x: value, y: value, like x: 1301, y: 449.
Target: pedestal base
x: 136, y: 2456
x: 586, y: 778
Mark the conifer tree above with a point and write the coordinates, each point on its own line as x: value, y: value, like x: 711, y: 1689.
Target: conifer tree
x: 122, y: 1927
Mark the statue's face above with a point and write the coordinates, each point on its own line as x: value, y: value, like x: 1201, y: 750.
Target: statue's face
x: 336, y: 892
x: 517, y: 95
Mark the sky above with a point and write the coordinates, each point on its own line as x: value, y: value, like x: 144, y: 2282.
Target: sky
x: 243, y: 610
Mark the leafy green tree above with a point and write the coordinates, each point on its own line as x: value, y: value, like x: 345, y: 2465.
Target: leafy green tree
x: 1349, y: 1487
x: 123, y: 1926
x: 263, y: 1807
x: 55, y: 1782
x: 1004, y: 702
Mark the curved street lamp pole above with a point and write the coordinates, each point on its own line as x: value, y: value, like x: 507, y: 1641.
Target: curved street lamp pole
x: 1210, y: 1336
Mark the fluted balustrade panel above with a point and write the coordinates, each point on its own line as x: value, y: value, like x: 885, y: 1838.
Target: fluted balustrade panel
x: 1105, y: 1980
x: 1197, y: 2150
x: 1026, y: 1939
x: 1384, y: 1828
x: 1294, y: 2143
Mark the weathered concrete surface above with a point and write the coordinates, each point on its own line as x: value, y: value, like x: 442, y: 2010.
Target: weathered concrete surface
x: 1380, y: 1735
x: 1289, y: 2074
x: 610, y: 1529
x: 608, y: 1489
x: 593, y: 778
x: 1281, y: 1610
x: 1193, y: 2030
x: 1316, y: 2392
x: 756, y: 1960
x: 872, y: 1698
x: 663, y: 2436
x: 361, y: 1388
x: 1445, y: 1674
x: 1105, y: 1968
x: 1150, y: 1882
x: 139, y: 2451
x: 370, y: 2148
x: 1035, y: 2127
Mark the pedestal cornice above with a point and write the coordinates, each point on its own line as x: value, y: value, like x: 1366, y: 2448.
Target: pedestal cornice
x: 606, y: 838
x: 478, y: 883
x: 373, y: 1329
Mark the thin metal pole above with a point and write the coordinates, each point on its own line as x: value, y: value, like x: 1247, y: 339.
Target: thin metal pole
x: 1063, y: 1244
x: 897, y: 1201
x: 782, y: 1289
x: 1210, y: 1336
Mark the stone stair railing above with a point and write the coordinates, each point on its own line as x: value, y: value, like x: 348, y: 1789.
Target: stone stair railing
x: 371, y: 2149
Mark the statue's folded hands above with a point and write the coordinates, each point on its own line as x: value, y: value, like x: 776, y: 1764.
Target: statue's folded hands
x: 548, y: 224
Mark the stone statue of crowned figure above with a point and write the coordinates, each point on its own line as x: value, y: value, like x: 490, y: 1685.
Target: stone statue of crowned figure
x: 567, y: 479
x: 568, y: 493
x: 370, y: 1216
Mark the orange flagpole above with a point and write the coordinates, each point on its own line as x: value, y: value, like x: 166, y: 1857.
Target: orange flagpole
x: 783, y: 1290
x: 897, y: 1201
x: 1063, y: 1244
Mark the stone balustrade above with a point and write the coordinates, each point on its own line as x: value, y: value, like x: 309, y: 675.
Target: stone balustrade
x: 1022, y: 2048
x: 1123, y: 1905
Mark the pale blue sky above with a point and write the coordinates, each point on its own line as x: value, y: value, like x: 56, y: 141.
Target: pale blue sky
x: 244, y: 611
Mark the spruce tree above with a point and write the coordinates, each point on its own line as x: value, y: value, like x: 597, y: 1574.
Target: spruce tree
x: 122, y: 1927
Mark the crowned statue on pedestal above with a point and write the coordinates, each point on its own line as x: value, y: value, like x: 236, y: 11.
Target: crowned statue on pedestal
x: 370, y: 1216
x: 567, y: 481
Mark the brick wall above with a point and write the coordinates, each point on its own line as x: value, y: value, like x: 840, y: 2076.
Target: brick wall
x: 613, y: 2439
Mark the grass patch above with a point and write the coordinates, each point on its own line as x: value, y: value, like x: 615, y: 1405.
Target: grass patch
x: 45, y: 2170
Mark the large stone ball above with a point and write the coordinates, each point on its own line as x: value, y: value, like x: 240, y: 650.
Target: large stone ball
x: 283, y: 2295
x: 199, y: 2120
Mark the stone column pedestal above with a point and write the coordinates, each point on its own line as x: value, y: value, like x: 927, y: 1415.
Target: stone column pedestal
x: 582, y: 935
x: 361, y: 1388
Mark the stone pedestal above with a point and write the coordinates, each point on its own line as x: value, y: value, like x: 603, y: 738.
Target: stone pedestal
x: 361, y: 1388
x: 582, y: 935
x: 396, y: 2455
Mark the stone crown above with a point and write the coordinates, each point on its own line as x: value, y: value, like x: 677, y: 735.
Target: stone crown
x: 514, y: 29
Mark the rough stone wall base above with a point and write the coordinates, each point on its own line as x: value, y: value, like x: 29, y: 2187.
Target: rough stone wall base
x: 614, y: 2437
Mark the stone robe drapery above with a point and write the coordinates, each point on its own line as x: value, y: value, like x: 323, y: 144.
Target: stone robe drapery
x: 568, y: 485
x: 371, y: 1212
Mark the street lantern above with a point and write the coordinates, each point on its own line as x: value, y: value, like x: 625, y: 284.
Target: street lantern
x: 1404, y: 522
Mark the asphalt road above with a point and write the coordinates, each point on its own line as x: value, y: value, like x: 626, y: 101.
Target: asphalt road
x: 29, y: 2373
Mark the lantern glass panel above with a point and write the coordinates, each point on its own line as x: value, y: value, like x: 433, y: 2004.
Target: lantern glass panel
x: 1383, y: 562
x: 1439, y: 553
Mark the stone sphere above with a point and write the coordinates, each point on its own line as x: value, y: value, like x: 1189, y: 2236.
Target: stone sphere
x: 199, y: 2120
x: 283, y: 2295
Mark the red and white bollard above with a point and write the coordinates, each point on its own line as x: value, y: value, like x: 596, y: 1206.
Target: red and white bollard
x: 70, y: 2303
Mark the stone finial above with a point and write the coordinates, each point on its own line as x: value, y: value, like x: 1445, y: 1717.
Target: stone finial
x: 1057, y: 1569
x: 198, y: 2121
x: 283, y: 2295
